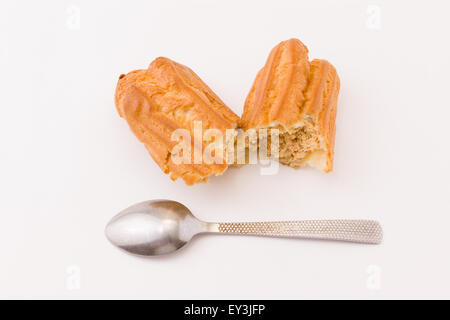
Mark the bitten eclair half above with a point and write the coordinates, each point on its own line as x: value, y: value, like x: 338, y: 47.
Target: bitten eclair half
x: 299, y: 98
x: 169, y: 96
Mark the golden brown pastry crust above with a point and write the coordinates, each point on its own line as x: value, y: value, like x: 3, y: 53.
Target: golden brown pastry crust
x: 277, y: 92
x: 165, y: 97
x: 321, y: 103
x: 289, y: 89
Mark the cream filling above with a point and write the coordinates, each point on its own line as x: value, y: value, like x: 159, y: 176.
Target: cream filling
x: 302, y: 146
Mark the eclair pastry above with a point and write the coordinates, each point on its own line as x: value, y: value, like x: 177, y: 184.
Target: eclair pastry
x: 299, y: 98
x: 169, y: 96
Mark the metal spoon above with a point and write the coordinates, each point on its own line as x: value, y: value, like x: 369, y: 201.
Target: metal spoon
x: 158, y: 227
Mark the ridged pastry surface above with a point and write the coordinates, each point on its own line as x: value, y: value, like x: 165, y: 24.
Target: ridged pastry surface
x: 290, y: 90
x: 169, y: 96
x: 321, y: 104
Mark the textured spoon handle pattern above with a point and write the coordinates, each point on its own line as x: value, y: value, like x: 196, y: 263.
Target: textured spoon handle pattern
x: 362, y: 231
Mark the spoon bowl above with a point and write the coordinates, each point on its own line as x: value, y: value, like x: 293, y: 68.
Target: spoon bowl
x: 153, y: 227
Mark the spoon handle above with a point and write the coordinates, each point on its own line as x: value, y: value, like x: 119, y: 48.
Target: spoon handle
x: 362, y: 231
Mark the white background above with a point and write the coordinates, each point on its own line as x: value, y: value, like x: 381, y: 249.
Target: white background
x: 69, y: 163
